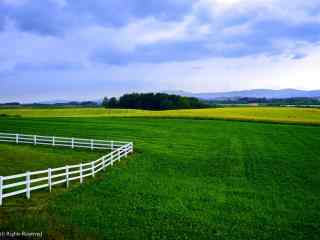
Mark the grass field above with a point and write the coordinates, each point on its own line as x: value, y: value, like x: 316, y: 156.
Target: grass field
x: 188, y: 179
x: 28, y: 157
x: 261, y: 114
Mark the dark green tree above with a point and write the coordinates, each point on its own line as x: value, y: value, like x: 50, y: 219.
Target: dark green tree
x: 105, y: 102
x: 113, y: 103
x: 152, y: 101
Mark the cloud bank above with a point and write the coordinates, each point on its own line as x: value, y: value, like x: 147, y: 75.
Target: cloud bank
x: 88, y: 49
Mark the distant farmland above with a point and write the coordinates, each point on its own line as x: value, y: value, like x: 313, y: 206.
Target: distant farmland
x: 262, y: 114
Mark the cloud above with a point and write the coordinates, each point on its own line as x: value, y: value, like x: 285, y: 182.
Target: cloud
x: 42, y: 39
x: 229, y: 29
x: 299, y: 56
x: 154, y: 53
x: 243, y: 27
x: 55, y: 17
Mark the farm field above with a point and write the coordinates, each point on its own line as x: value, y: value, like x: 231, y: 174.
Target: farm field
x: 188, y: 179
x: 260, y: 114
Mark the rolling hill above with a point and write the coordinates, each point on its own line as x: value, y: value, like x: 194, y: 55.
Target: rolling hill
x: 254, y: 93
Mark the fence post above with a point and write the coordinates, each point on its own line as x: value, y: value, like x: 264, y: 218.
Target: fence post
x: 1, y: 183
x: 17, y: 138
x: 67, y: 176
x: 104, y: 163
x: 49, y: 179
x: 111, y: 158
x: 91, y: 144
x: 53, y: 141
x: 126, y: 151
x: 35, y: 139
x: 119, y: 153
x: 28, y: 185
x: 81, y: 173
x: 92, y: 166
x: 72, y: 143
x: 112, y: 145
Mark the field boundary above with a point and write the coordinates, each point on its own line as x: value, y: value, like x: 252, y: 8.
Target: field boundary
x: 30, y: 181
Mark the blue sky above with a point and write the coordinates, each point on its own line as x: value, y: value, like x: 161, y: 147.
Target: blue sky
x: 80, y: 49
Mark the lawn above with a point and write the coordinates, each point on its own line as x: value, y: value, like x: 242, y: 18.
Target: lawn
x: 33, y: 158
x: 188, y: 179
x: 260, y: 114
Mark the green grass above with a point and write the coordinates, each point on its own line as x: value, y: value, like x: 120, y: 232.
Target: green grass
x: 32, y: 158
x: 188, y: 179
x: 260, y: 114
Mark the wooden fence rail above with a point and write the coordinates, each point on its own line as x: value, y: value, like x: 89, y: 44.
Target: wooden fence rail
x: 27, y: 182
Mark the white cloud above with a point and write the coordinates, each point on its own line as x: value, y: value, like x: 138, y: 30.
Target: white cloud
x: 293, y: 11
x: 151, y: 30
x: 139, y: 33
x: 220, y: 74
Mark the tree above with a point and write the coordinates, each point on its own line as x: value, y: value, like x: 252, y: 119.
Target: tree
x: 158, y: 101
x: 105, y: 102
x: 113, y: 102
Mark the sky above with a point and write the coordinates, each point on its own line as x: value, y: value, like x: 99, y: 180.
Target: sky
x: 83, y: 50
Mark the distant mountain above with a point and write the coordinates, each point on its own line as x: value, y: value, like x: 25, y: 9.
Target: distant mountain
x: 61, y: 101
x: 54, y: 101
x: 254, y: 93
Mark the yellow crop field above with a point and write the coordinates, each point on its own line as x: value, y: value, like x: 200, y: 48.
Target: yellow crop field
x: 268, y: 114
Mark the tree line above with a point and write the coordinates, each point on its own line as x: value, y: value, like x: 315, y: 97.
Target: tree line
x: 43, y: 105
x: 299, y: 101
x: 153, y: 101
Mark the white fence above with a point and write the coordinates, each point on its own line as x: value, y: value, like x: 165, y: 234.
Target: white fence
x: 27, y: 182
